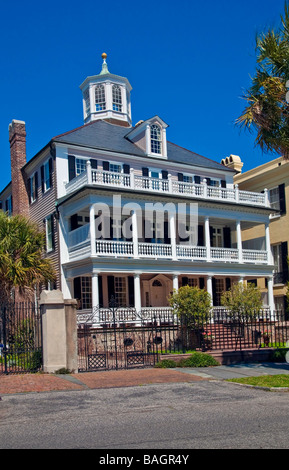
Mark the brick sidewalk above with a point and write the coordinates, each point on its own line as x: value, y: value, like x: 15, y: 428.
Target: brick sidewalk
x: 11, y: 384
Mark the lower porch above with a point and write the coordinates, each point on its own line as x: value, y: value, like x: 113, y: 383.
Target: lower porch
x: 141, y: 297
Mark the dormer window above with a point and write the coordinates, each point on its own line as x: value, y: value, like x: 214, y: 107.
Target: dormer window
x: 100, y: 104
x: 116, y: 98
x: 156, y: 139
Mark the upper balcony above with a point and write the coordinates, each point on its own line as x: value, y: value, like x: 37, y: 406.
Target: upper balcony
x: 170, y: 186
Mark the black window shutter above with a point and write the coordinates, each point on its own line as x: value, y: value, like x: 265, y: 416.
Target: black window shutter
x: 197, y: 179
x: 200, y: 235
x: 36, y: 185
x: 223, y: 184
x: 202, y: 282
x: 126, y: 169
x: 131, y: 291
x: 53, y: 232
x: 110, y: 288
x: 211, y: 236
x: 165, y: 174
x: 50, y: 165
x: 42, y: 177
x: 282, y: 199
x: 227, y: 237
x: 93, y: 164
x: 228, y: 283
x: 166, y: 232
x: 29, y: 186
x: 100, y: 290
x: 145, y: 171
x: 71, y: 167
x: 185, y: 281
x: 0, y: 205
x: 180, y: 177
x: 105, y: 166
x: 77, y: 287
x: 73, y: 222
x: 208, y: 181
x: 284, y: 254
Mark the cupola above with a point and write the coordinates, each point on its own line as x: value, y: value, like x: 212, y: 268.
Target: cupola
x: 106, y: 96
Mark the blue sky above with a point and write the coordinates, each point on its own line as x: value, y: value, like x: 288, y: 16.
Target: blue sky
x: 187, y: 61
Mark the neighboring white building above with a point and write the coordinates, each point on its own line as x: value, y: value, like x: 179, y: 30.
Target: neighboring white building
x: 178, y: 217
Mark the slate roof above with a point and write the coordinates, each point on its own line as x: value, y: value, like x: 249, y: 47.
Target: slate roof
x: 106, y: 136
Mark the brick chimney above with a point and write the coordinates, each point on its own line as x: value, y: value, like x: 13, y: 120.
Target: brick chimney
x: 17, y: 139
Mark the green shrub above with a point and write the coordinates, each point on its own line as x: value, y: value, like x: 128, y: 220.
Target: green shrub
x: 198, y: 359
x: 166, y: 364
x: 279, y: 355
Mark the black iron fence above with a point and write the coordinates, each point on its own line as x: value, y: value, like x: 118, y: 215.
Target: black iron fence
x: 20, y: 338
x: 115, y: 344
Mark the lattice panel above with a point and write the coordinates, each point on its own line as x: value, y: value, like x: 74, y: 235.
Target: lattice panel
x: 96, y: 361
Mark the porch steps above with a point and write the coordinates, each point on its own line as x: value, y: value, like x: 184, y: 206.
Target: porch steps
x: 226, y: 337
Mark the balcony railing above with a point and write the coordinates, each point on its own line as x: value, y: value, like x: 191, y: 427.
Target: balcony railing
x: 169, y: 186
x: 80, y: 246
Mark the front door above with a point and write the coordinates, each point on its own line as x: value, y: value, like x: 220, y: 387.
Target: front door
x: 158, y: 291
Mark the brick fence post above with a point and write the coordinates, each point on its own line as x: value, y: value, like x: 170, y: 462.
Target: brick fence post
x: 59, y: 331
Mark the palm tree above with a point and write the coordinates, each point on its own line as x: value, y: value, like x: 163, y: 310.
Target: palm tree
x: 267, y: 110
x: 22, y: 264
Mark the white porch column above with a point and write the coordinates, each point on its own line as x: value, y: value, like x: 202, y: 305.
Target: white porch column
x: 239, y: 240
x: 135, y: 234
x: 95, y: 290
x: 268, y: 244
x: 92, y: 230
x: 175, y: 282
x: 172, y: 222
x: 137, y: 294
x: 208, y: 238
x: 210, y: 288
x: 88, y: 170
x: 271, y: 296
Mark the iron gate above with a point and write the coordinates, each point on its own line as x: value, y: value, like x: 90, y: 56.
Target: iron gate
x: 20, y: 338
x: 111, y: 342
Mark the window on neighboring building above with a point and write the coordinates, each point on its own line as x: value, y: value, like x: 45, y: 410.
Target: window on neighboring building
x: 116, y: 98
x: 156, y: 139
x: 100, y: 103
x: 275, y: 198
x: 49, y: 229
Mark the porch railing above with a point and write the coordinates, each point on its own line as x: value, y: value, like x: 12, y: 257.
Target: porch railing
x: 79, y: 245
x: 166, y: 186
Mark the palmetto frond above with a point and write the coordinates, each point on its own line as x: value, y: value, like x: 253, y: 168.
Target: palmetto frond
x: 267, y: 111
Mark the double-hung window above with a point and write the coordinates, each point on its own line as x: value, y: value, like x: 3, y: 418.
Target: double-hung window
x: 116, y: 98
x: 46, y: 175
x: 274, y: 198
x: 80, y: 166
x: 33, y: 187
x: 100, y: 103
x: 49, y: 229
x: 156, y: 139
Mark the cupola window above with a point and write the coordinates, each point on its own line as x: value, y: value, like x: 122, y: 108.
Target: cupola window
x: 156, y: 139
x: 100, y: 104
x: 116, y: 98
x: 87, y: 101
